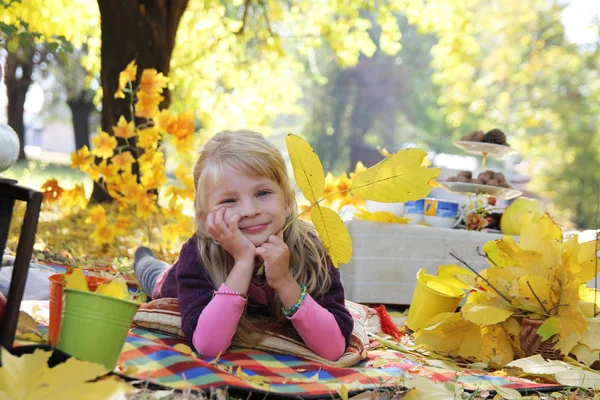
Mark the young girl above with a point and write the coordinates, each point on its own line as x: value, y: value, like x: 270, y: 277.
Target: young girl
x: 243, y: 202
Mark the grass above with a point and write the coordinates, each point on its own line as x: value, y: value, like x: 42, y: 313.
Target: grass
x: 33, y: 173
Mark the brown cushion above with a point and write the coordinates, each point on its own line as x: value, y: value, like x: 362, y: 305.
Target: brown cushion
x: 163, y: 315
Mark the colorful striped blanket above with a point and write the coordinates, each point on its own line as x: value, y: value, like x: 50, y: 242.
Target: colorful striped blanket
x: 168, y: 361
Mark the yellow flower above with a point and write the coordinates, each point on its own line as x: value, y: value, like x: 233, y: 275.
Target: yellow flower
x: 146, y: 205
x: 151, y: 160
x: 123, y: 161
x: 184, y: 176
x: 82, y: 159
x: 109, y: 172
x: 153, y: 82
x: 127, y: 75
x: 51, y: 191
x: 148, y: 138
x: 183, y: 146
x: 75, y: 197
x: 179, y: 126
x: 153, y: 179
x: 123, y: 224
x: 104, y: 234
x: 147, y: 104
x: 96, y: 215
x: 360, y: 167
x: 171, y: 232
x: 123, y: 129
x: 383, y: 151
x: 104, y: 145
x: 130, y: 187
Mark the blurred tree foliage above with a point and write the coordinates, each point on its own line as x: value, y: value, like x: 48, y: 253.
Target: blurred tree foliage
x: 385, y: 100
x: 508, y: 64
x: 464, y: 65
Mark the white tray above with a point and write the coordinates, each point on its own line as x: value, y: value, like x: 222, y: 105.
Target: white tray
x: 473, y: 189
x: 483, y: 148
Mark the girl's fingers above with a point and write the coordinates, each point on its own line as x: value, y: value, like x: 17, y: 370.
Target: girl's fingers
x: 233, y: 221
x: 220, y: 219
x: 275, y: 239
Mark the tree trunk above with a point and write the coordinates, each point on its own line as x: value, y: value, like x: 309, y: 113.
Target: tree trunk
x: 141, y: 30
x: 80, y: 110
x: 18, y: 79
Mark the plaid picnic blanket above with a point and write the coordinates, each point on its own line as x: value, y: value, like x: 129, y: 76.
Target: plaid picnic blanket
x: 168, y: 361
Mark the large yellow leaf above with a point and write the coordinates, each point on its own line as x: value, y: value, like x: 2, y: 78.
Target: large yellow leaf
x: 333, y: 234
x: 28, y: 377
x: 397, y: 178
x: 587, y: 260
x: 497, y: 257
x: 308, y: 170
x: 380, y: 216
x: 117, y: 288
x: 531, y: 286
x: 423, y: 388
x: 585, y: 355
x: 579, y: 378
x: 76, y: 280
x: 485, y: 315
x: 445, y: 334
x: 543, y: 236
x: 488, y: 344
x: 454, y: 275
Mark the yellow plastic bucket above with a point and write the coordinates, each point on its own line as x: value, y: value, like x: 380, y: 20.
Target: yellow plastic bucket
x: 430, y: 298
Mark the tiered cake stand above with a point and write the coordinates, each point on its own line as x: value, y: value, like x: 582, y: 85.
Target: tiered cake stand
x: 473, y: 189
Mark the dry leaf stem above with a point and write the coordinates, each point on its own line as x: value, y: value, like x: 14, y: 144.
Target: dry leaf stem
x: 463, y: 262
x: 537, y: 298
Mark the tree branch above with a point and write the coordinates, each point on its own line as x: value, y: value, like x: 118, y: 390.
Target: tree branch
x: 244, y: 17
x: 463, y: 262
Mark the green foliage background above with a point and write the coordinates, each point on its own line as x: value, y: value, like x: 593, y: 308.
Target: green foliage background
x: 354, y: 74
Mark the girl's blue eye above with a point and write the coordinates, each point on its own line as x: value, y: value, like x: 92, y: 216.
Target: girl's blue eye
x: 227, y: 201
x: 263, y: 193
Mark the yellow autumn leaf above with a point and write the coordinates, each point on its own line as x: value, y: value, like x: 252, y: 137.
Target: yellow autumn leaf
x: 587, y: 260
x: 397, y: 178
x: 29, y: 377
x: 423, y: 388
x: 585, y: 355
x: 117, y: 288
x: 454, y: 275
x: 531, y: 286
x: 308, y: 170
x: 76, y: 280
x: 444, y: 334
x: 185, y: 349
x: 333, y: 234
x: 579, y: 378
x: 381, y: 216
x: 488, y: 344
x: 28, y: 329
x: 536, y: 365
x: 497, y: 257
x: 343, y: 392
x: 485, y: 315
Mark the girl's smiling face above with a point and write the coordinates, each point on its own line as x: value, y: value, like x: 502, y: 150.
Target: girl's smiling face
x: 260, y: 202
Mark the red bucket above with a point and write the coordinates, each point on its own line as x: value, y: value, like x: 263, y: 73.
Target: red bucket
x: 56, y: 302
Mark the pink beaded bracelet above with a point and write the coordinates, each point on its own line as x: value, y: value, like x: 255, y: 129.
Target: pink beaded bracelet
x: 230, y: 294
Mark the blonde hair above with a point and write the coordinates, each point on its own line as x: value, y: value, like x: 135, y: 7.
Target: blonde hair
x: 251, y: 153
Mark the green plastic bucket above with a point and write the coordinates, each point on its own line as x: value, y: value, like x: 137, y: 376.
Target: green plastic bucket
x: 94, y: 326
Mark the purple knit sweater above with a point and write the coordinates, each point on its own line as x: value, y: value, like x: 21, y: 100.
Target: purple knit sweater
x: 189, y: 282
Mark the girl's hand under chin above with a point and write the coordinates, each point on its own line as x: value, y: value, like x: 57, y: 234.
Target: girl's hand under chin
x: 223, y: 227
x: 276, y: 256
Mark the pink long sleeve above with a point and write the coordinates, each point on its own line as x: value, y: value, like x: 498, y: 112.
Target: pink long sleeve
x: 319, y: 330
x: 217, y: 323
